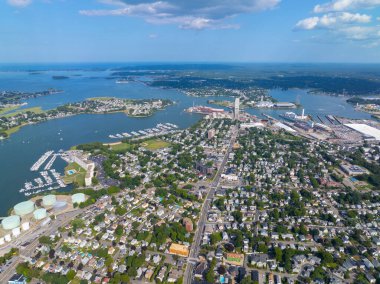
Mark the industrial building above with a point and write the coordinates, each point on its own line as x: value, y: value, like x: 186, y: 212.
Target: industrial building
x: 366, y: 130
x: 353, y: 170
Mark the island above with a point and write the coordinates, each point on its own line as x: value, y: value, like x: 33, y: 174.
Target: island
x: 8, y: 98
x: 12, y: 122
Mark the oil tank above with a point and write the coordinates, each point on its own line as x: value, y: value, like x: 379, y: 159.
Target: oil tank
x: 78, y: 198
x: 11, y: 222
x: 24, y: 208
x: 40, y: 214
x: 49, y: 200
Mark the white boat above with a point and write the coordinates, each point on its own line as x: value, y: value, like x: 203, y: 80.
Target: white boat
x: 41, y: 160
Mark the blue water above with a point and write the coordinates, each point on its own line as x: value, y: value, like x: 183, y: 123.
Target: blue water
x: 18, y: 153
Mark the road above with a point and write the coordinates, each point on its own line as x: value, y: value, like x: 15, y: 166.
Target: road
x: 194, y: 250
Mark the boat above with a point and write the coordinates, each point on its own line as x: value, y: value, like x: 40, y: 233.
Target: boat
x: 291, y: 116
x: 122, y: 81
x: 40, y: 161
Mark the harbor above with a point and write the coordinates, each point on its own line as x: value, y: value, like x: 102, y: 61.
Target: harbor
x: 159, y: 129
x: 48, y: 179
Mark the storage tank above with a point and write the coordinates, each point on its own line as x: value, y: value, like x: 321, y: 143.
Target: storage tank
x: 7, y: 238
x: 40, y: 214
x: 24, y: 208
x: 16, y: 232
x: 2, y: 241
x: 49, y: 200
x: 11, y: 222
x: 60, y: 205
x: 25, y: 226
x: 78, y: 198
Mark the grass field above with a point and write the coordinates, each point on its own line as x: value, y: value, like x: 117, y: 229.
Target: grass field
x: 121, y: 147
x: 78, y: 177
x: 155, y: 144
x: 32, y: 109
x: 12, y: 130
x: 5, y: 110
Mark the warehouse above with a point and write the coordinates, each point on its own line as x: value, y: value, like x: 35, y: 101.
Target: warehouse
x: 366, y: 130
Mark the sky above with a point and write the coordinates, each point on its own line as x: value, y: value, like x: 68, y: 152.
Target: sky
x: 42, y: 31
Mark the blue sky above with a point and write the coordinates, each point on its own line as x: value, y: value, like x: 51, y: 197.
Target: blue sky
x: 190, y: 30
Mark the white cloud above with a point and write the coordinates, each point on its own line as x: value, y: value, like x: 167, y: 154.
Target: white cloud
x: 344, y: 5
x: 332, y: 20
x: 187, y: 14
x: 360, y: 33
x: 19, y: 3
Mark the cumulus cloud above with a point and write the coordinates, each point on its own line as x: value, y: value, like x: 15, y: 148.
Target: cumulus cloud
x: 332, y: 20
x: 19, y: 3
x: 345, y: 5
x: 194, y: 14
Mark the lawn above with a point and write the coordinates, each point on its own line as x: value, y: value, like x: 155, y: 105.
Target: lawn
x: 12, y: 130
x: 78, y: 177
x: 155, y: 144
x: 7, y: 109
x: 120, y: 147
x: 32, y: 109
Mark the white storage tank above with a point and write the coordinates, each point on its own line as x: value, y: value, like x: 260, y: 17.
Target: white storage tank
x: 7, y: 238
x: 49, y: 200
x: 16, y: 232
x: 2, y: 241
x: 78, y: 198
x: 25, y: 226
x: 40, y: 214
x: 59, y: 206
x: 24, y: 208
x: 11, y: 222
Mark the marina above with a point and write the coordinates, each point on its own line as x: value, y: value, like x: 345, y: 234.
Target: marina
x: 40, y: 161
x: 48, y: 179
x: 159, y: 129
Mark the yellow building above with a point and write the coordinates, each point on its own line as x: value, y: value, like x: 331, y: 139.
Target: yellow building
x: 178, y: 249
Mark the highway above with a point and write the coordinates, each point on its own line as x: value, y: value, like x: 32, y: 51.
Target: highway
x: 194, y: 249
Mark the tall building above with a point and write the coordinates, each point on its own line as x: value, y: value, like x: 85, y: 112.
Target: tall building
x: 237, y: 110
x: 211, y: 133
